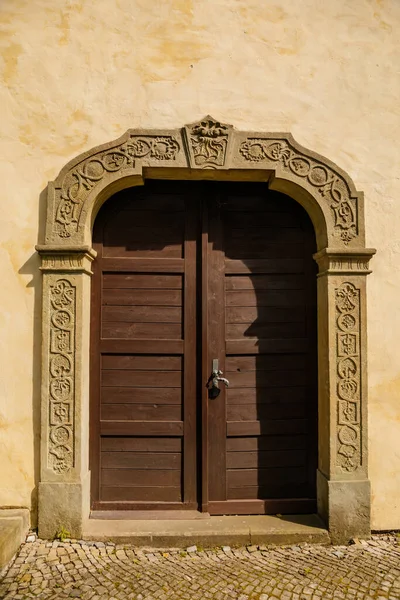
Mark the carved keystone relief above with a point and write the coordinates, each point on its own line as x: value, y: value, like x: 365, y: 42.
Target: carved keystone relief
x: 347, y: 298
x: 81, y: 180
x: 329, y: 184
x: 208, y: 143
x: 61, y: 376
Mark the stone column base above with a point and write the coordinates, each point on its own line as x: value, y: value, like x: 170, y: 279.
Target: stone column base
x: 345, y: 506
x: 64, y: 505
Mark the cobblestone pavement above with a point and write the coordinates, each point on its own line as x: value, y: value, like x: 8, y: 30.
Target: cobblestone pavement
x: 75, y: 569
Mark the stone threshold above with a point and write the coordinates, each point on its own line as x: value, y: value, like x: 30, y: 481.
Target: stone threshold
x: 157, y: 531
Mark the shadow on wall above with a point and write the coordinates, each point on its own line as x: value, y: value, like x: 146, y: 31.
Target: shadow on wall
x: 32, y: 267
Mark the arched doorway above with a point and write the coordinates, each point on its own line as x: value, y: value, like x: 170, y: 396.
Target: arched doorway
x: 203, y: 152
x: 188, y: 273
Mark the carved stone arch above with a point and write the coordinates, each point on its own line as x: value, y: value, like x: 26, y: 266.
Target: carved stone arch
x: 206, y: 149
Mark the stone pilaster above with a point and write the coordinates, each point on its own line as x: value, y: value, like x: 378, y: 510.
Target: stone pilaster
x: 64, y: 480
x: 343, y: 486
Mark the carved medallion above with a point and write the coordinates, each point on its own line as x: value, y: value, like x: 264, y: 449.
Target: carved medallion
x: 328, y: 183
x: 61, y: 373
x: 347, y: 298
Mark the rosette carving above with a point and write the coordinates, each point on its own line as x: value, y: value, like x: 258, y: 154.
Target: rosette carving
x: 61, y: 373
x: 347, y: 298
x: 83, y: 178
x: 329, y: 184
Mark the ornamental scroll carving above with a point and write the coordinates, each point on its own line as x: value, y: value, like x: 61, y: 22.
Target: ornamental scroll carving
x: 81, y: 180
x: 347, y: 298
x: 328, y: 183
x: 61, y: 376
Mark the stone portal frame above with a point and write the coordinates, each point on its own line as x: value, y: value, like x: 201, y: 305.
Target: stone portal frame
x: 205, y: 150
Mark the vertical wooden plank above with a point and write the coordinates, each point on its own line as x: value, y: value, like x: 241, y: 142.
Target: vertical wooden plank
x: 216, y: 350
x: 205, y: 372
x: 189, y: 359
x: 310, y: 276
x: 95, y: 368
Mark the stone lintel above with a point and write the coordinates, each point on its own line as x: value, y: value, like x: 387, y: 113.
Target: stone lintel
x: 354, y: 261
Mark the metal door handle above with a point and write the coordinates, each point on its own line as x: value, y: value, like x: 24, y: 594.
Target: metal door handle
x: 215, y: 376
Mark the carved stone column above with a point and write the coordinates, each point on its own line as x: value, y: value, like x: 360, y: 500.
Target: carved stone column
x: 342, y: 478
x: 64, y: 479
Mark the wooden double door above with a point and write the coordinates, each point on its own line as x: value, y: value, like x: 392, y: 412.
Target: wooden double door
x: 188, y: 273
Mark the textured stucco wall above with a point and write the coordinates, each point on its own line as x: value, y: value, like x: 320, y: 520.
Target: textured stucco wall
x: 77, y: 74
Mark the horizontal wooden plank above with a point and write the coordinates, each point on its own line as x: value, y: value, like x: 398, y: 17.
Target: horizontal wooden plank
x: 258, y: 298
x: 141, y: 460
x: 143, y: 363
x: 141, y: 412
x: 264, y: 314
x: 266, y: 442
x: 140, y: 477
x: 142, y: 265
x: 264, y: 265
x: 251, y: 412
x: 142, y: 314
x: 137, y: 395
x: 147, y: 234
x: 130, y: 297
x: 266, y: 427
x: 245, y: 235
x: 140, y: 444
x: 142, y: 281
x: 275, y: 281
x: 268, y: 492
x: 163, y: 493
x: 113, y: 330
x: 234, y: 331
x: 141, y: 249
x: 260, y: 219
x: 282, y: 506
x: 148, y: 219
x: 261, y: 379
x: 266, y: 362
x: 141, y: 199
x: 259, y: 249
x: 251, y: 201
x: 148, y: 346
x: 270, y: 395
x: 268, y: 458
x: 145, y: 428
x: 264, y: 346
x: 126, y: 378
x: 261, y: 477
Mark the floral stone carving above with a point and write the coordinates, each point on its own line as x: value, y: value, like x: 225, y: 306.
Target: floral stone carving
x: 208, y: 142
x: 329, y: 184
x: 61, y: 372
x: 347, y: 298
x: 81, y: 180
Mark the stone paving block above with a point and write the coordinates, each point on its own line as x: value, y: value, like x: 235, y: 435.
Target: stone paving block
x: 300, y: 572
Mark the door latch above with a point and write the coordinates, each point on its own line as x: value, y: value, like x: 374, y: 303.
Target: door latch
x: 214, y: 379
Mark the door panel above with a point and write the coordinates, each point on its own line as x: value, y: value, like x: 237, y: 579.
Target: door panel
x: 267, y: 315
x: 188, y: 272
x: 144, y: 342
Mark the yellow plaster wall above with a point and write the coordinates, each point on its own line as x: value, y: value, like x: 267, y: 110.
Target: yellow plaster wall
x: 79, y: 73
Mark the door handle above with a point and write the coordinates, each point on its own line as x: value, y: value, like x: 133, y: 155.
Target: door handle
x: 215, y: 377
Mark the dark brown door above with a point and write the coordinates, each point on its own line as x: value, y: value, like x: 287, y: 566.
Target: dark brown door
x: 262, y: 327
x: 187, y: 273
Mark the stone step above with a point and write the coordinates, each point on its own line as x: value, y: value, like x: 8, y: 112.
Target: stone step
x: 14, y: 525
x: 206, y: 531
